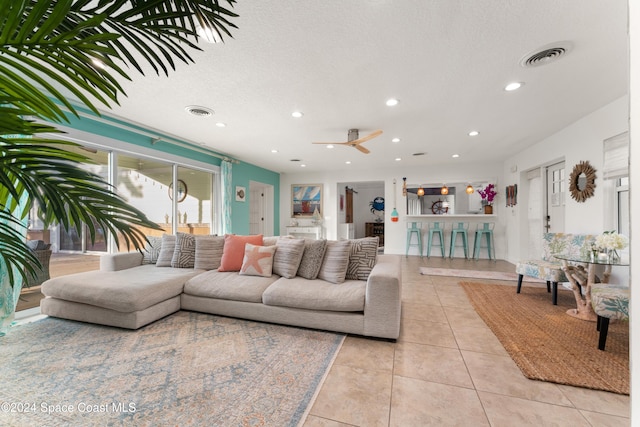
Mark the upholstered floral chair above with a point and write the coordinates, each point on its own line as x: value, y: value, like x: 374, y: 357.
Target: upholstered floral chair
x: 609, y: 302
x: 549, y: 268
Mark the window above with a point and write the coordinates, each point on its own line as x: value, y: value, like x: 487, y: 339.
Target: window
x: 147, y: 184
x: 622, y: 205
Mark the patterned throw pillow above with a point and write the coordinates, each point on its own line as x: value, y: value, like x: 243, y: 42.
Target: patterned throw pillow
x: 166, y: 251
x: 151, y: 250
x: 287, y: 258
x: 312, y: 258
x: 258, y: 260
x: 362, y: 258
x: 233, y: 251
x: 335, y: 261
x: 184, y: 255
x: 208, y: 252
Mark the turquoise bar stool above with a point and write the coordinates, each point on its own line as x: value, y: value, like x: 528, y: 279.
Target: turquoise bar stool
x: 462, y: 230
x: 435, y: 228
x: 414, y: 228
x: 484, y: 229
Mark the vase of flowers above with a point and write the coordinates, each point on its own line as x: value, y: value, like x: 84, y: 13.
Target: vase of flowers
x: 488, y: 194
x: 609, y: 242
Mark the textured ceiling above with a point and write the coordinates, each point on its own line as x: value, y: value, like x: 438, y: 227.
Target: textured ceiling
x: 339, y: 61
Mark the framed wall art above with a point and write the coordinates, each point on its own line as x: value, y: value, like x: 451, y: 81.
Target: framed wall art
x: 241, y: 194
x: 305, y: 199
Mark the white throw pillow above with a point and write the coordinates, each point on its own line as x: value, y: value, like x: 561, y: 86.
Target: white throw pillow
x: 257, y: 261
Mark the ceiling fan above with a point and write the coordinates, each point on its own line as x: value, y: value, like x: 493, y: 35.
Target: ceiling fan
x: 354, y: 141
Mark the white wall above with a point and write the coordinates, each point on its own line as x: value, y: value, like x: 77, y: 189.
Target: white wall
x: 395, y: 232
x: 582, y: 140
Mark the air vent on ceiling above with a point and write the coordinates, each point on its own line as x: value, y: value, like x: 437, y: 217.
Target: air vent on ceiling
x: 295, y: 160
x: 198, y: 111
x: 546, y: 54
x: 418, y: 154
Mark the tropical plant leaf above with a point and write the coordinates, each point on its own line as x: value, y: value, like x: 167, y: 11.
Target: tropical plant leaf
x: 52, y: 51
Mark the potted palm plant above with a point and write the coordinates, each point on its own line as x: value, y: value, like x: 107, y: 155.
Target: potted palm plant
x: 53, y: 51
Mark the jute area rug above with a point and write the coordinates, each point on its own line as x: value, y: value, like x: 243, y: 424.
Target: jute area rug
x: 549, y: 345
x: 475, y: 274
x: 188, y: 369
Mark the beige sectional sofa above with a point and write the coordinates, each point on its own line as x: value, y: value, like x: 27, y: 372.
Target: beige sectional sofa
x: 129, y: 294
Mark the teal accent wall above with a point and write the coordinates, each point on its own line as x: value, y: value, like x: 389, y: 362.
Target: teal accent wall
x: 109, y: 127
x: 242, y: 172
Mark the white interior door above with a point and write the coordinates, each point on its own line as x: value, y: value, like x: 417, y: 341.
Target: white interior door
x: 556, y: 193
x: 261, y: 208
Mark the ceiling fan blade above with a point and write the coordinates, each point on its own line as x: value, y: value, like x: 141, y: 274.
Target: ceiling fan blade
x: 361, y: 148
x: 368, y: 137
x: 333, y: 143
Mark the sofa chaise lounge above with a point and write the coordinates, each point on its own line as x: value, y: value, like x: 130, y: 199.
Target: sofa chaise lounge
x: 127, y: 293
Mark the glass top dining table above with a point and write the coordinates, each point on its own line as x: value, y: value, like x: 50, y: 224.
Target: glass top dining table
x: 578, y: 276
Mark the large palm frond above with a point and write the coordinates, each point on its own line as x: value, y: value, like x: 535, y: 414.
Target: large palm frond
x: 55, y: 54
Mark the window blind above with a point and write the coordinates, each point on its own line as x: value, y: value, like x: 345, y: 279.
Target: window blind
x: 616, y: 156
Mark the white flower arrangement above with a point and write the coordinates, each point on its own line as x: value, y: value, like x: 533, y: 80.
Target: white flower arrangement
x: 611, y: 240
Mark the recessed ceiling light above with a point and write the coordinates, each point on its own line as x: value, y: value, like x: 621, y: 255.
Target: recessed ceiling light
x: 348, y: 162
x: 398, y: 159
x: 303, y: 165
x: 98, y: 63
x: 221, y: 125
x: 330, y: 146
x: 474, y: 133
x: 297, y: 114
x: 391, y: 102
x: 274, y: 151
x: 455, y: 156
x: 208, y: 34
x: 395, y: 140
x: 513, y: 86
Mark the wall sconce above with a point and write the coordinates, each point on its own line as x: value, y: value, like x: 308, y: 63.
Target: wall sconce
x: 420, y: 191
x: 469, y: 189
x: 444, y: 190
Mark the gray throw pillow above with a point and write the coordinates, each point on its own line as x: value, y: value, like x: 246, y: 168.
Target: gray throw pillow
x: 152, y: 250
x: 312, y: 258
x: 208, y: 252
x: 362, y: 258
x: 335, y: 261
x: 166, y: 251
x: 287, y: 257
x: 270, y: 241
x: 184, y: 254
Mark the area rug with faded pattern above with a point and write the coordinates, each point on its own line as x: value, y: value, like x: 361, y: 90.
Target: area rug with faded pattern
x: 549, y: 345
x: 188, y: 369
x: 475, y: 274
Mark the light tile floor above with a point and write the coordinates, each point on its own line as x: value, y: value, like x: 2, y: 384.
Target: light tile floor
x: 448, y: 369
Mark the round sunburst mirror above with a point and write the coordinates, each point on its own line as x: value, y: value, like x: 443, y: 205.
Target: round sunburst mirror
x: 582, y: 181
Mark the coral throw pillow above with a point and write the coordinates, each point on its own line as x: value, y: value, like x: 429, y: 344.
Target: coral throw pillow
x: 233, y: 251
x: 258, y: 260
